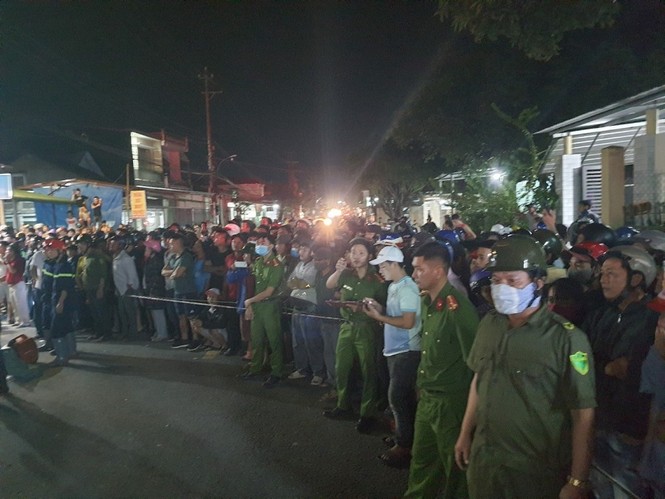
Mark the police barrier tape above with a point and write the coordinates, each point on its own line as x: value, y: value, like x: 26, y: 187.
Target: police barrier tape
x: 615, y: 482
x: 206, y: 304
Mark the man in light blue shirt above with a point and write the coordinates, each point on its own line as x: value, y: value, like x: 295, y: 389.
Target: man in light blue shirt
x: 402, y: 349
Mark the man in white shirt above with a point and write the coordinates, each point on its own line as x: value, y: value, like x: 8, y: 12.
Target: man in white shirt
x: 401, y: 349
x: 35, y: 265
x: 126, y: 281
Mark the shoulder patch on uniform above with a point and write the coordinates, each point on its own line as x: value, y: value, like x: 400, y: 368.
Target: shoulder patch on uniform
x: 569, y: 326
x: 580, y: 362
x: 452, y: 302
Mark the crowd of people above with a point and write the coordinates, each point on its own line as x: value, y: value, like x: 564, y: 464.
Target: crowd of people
x: 511, y: 363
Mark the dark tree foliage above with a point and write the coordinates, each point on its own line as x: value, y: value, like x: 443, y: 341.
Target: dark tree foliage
x: 398, y: 177
x: 535, y: 28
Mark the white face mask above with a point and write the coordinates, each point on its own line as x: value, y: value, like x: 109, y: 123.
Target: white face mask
x: 509, y: 300
x: 261, y: 249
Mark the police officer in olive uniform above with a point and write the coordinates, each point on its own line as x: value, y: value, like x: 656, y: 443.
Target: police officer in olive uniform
x: 358, y: 334
x: 528, y: 425
x: 92, y: 277
x: 449, y: 323
x: 263, y: 309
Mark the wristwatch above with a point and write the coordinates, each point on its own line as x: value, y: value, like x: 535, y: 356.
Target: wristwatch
x: 580, y: 484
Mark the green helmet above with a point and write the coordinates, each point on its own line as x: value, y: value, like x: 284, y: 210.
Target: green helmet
x: 517, y: 252
x: 549, y: 241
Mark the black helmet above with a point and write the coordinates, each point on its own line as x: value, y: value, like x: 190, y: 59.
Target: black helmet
x: 522, y: 231
x: 598, y: 233
x: 549, y: 241
x: 84, y: 239
x: 120, y: 239
x: 518, y: 252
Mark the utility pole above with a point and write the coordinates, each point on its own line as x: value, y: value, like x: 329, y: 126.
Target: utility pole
x: 212, y: 170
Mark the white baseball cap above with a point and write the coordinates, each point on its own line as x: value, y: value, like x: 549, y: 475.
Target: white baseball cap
x: 500, y: 229
x: 232, y: 229
x: 389, y: 254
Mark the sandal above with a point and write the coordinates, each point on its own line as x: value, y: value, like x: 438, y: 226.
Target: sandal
x: 398, y: 460
x: 389, y: 441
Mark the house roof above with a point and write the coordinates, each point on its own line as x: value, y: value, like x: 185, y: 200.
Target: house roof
x: 615, y: 125
x: 630, y: 110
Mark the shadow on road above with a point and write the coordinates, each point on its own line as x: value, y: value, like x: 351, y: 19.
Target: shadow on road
x: 66, y: 459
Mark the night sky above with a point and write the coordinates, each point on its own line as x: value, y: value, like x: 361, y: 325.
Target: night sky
x: 311, y: 82
x: 318, y: 83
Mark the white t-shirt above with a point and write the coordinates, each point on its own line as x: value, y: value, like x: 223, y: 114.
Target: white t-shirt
x: 37, y: 262
x: 403, y: 296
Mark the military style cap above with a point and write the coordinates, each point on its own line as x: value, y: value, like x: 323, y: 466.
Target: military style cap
x: 517, y: 252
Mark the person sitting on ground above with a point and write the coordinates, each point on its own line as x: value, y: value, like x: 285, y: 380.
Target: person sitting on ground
x: 207, y: 325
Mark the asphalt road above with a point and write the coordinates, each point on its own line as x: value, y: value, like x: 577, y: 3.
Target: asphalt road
x: 143, y: 420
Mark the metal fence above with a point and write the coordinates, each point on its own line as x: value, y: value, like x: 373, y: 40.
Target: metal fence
x: 644, y: 215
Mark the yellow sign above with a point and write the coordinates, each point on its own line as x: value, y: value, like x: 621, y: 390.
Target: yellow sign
x: 138, y: 204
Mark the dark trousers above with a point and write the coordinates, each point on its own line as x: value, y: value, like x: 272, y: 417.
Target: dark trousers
x: 3, y: 374
x: 172, y: 320
x: 38, y: 311
x: 232, y: 320
x: 403, y: 369
x: 99, y: 310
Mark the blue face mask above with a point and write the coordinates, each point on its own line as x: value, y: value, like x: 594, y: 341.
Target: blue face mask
x: 509, y: 300
x: 295, y: 253
x: 261, y: 249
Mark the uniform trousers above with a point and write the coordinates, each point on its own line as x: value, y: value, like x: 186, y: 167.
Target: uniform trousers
x: 357, y: 341
x: 267, y: 328
x: 437, y: 426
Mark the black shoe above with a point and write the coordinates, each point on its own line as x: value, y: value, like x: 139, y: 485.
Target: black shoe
x: 231, y: 352
x: 180, y: 344
x: 338, y: 413
x: 249, y: 376
x: 271, y: 381
x: 365, y: 425
x: 194, y: 346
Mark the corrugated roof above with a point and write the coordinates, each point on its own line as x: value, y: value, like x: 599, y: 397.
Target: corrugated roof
x: 624, y: 111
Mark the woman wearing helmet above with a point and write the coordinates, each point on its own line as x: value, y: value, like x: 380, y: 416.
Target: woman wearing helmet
x: 533, y: 382
x: 620, y: 334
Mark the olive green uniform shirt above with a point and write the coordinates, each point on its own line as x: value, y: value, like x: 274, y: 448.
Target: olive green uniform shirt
x: 353, y: 288
x: 268, y: 272
x: 90, y: 270
x: 450, y: 322
x: 529, y: 379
